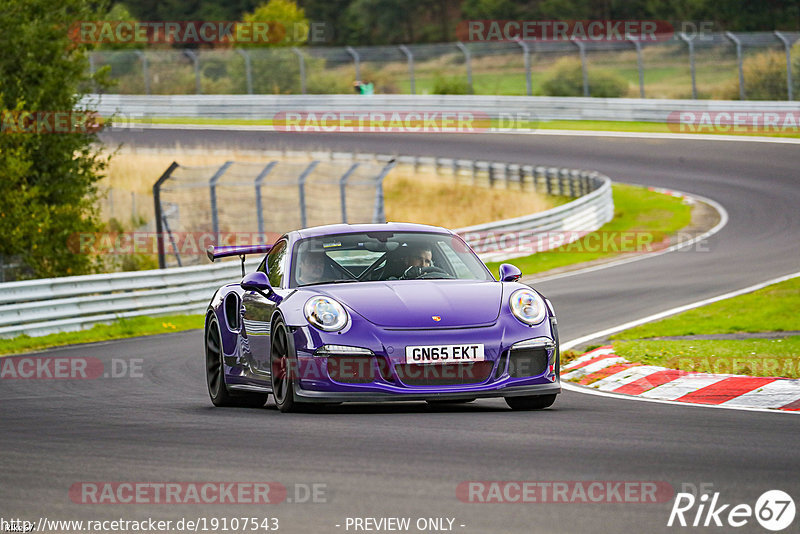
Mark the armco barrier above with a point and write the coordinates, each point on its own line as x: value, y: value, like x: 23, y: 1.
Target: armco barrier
x: 139, y: 108
x: 39, y: 307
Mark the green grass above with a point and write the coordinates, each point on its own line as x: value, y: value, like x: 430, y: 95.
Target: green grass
x: 753, y: 357
x: 772, y: 309
x: 122, y: 328
x: 588, y: 125
x: 646, y: 215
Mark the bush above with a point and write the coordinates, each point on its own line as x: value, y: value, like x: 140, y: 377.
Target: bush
x: 450, y: 86
x: 765, y: 77
x: 567, y: 80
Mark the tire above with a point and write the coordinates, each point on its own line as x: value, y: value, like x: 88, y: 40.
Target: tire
x: 537, y: 402
x: 282, y: 356
x: 439, y: 402
x: 215, y: 374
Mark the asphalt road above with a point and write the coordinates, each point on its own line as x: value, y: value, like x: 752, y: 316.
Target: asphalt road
x: 406, y: 460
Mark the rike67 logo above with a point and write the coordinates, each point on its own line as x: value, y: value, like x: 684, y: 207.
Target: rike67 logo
x: 774, y: 510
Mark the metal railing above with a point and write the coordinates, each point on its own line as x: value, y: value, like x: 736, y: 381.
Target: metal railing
x: 39, y: 307
x: 695, y: 66
x: 136, y: 111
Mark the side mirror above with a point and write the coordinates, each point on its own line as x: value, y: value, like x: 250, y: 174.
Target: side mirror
x: 257, y: 282
x: 509, y: 273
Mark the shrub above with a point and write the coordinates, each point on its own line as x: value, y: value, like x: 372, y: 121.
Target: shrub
x: 567, y: 80
x: 764, y: 78
x: 450, y: 86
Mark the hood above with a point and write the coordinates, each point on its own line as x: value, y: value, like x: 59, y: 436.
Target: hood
x: 414, y: 303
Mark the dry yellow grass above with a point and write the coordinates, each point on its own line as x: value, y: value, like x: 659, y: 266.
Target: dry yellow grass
x: 421, y: 196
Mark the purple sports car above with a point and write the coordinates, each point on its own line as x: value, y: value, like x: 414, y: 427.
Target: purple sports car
x: 378, y: 312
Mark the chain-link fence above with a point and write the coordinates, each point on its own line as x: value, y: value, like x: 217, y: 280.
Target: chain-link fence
x: 222, y: 204
x: 718, y: 65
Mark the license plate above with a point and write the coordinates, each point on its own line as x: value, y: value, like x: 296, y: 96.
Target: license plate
x: 445, y: 354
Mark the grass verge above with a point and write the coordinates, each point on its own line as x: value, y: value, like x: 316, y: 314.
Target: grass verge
x: 121, y: 328
x: 771, y: 309
x: 641, y: 216
x: 505, y: 126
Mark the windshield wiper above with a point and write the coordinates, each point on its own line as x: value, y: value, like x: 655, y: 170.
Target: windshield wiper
x: 342, y: 281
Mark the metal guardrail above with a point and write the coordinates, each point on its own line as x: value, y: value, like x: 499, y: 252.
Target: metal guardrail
x: 39, y: 307
x: 136, y: 111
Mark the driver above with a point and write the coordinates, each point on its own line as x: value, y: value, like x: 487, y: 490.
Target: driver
x: 310, y: 267
x: 419, y: 256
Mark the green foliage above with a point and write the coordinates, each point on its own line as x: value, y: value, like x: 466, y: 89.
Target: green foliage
x: 450, y: 86
x: 567, y: 80
x: 291, y: 25
x: 48, y: 180
x: 765, y: 77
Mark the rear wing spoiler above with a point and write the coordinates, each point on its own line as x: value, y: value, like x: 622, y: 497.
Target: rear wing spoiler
x: 241, y: 251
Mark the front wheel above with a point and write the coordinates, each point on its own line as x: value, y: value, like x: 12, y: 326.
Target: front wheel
x: 282, y: 356
x: 537, y: 402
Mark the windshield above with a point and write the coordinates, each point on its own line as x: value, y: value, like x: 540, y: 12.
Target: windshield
x: 372, y: 256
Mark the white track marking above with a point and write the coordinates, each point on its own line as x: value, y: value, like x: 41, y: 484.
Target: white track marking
x: 617, y: 380
x: 614, y: 329
x: 592, y: 368
x: 723, y: 220
x: 588, y: 356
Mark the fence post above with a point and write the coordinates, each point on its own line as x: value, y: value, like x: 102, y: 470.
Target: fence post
x: 301, y: 184
x: 302, y: 61
x: 343, y: 189
x: 639, y: 64
x: 526, y: 54
x: 690, y: 44
x: 468, y: 61
x: 196, y: 61
x: 92, y: 69
x: 788, y: 46
x: 582, y: 50
x: 735, y: 40
x: 259, y: 208
x: 145, y: 74
x: 356, y: 60
x: 410, y: 57
x: 157, y: 210
x: 212, y: 187
x: 248, y: 72
x: 379, y: 215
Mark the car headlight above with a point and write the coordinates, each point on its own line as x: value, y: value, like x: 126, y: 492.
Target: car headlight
x: 527, y: 306
x: 325, y: 313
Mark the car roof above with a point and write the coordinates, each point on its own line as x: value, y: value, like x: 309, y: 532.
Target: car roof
x: 332, y: 229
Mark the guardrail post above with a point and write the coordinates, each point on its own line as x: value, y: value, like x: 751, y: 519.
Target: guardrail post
x: 259, y: 207
x: 690, y: 45
x: 157, y: 209
x: 301, y: 184
x: 526, y: 54
x: 196, y: 61
x: 248, y: 70
x: 788, y: 47
x: 302, y: 61
x: 639, y: 65
x: 145, y: 71
x: 379, y: 215
x: 212, y: 186
x: 582, y: 51
x: 735, y: 40
x: 343, y: 189
x: 552, y: 172
x: 356, y: 61
x: 410, y: 57
x: 468, y: 62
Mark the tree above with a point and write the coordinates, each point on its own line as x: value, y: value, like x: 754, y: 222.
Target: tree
x: 48, y: 180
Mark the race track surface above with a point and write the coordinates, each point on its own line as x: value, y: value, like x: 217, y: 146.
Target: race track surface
x: 407, y: 459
